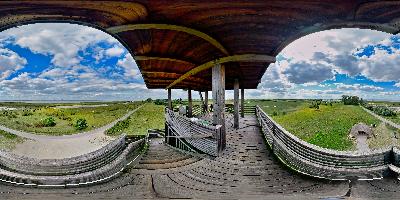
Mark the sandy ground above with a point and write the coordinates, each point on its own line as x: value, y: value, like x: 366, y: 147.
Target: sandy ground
x: 62, y: 148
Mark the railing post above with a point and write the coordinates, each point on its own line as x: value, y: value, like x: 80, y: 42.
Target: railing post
x: 242, y: 102
x: 236, y: 104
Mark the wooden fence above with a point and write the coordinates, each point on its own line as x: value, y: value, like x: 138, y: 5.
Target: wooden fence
x: 320, y: 162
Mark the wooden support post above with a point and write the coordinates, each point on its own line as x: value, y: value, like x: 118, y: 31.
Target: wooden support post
x: 242, y: 103
x: 169, y: 99
x: 218, y: 94
x: 206, y: 101
x: 236, y: 104
x: 190, y: 105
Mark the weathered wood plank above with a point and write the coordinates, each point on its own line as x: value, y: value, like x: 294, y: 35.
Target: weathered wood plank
x: 218, y: 94
x: 234, y: 58
x: 242, y: 102
x: 169, y: 99
x: 236, y: 104
x: 190, y: 104
x: 191, y: 31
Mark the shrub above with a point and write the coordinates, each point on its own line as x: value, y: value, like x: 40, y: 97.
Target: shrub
x: 384, y: 111
x: 81, y: 124
x: 48, y: 122
x: 26, y: 113
x: 275, y: 113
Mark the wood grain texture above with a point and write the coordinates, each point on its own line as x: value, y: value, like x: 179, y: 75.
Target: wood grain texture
x: 202, y: 31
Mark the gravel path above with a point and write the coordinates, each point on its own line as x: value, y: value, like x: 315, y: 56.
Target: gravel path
x: 383, y: 119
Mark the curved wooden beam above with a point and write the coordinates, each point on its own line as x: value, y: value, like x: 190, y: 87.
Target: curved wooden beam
x: 235, y: 58
x: 139, y: 58
x: 130, y: 27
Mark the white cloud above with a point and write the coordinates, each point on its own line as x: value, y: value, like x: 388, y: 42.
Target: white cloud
x: 61, y: 41
x: 115, y: 51
x: 130, y: 67
x: 10, y: 62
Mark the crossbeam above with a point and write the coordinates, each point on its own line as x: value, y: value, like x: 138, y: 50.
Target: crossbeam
x: 142, y: 58
x: 191, y: 31
x: 234, y: 58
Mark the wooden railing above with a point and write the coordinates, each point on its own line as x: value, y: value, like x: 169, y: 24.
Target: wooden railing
x: 320, y: 162
x: 182, y: 133
x: 92, y: 168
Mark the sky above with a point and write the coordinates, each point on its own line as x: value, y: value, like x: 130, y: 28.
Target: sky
x: 74, y: 62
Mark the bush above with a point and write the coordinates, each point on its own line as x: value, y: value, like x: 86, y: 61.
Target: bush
x: 81, y: 124
x: 48, y: 122
x: 26, y: 113
x: 315, y: 104
x: 384, y: 111
x: 275, y: 113
x: 163, y: 102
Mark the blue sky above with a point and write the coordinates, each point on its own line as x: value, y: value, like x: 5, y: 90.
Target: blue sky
x: 74, y: 62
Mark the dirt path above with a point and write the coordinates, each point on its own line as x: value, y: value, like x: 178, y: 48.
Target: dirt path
x: 48, y: 147
x: 362, y: 145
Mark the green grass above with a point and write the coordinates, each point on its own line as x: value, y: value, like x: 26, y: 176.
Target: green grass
x: 8, y: 140
x: 327, y: 127
x: 384, y: 136
x: 395, y: 119
x: 29, y: 118
x: 150, y: 116
x: 280, y: 106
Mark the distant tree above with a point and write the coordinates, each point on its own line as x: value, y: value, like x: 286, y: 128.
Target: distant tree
x: 149, y: 100
x: 351, y: 100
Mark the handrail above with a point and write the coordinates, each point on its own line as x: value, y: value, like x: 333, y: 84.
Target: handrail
x: 321, y: 162
x: 195, y: 136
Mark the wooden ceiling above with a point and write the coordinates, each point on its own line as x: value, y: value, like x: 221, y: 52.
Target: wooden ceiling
x: 169, y: 38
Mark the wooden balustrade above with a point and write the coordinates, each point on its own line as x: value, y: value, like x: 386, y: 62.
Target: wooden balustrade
x: 320, y: 162
x: 185, y: 134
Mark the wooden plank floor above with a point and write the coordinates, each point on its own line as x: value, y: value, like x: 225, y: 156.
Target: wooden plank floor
x: 247, y: 169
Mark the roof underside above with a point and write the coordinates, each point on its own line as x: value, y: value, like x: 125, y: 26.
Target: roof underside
x: 253, y: 27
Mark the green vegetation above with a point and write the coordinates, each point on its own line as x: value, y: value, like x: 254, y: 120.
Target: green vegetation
x: 8, y: 140
x: 119, y: 127
x: 352, y: 100
x: 278, y: 107
x: 81, y: 124
x: 394, y: 109
x: 381, y: 110
x: 47, y: 122
x: 51, y: 120
x: 150, y: 116
x: 384, y: 135
x: 327, y: 126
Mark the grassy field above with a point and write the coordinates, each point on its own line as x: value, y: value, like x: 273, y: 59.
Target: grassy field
x: 150, y: 116
x: 326, y: 127
x: 30, y: 117
x: 8, y: 140
x: 278, y: 106
x: 395, y: 119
